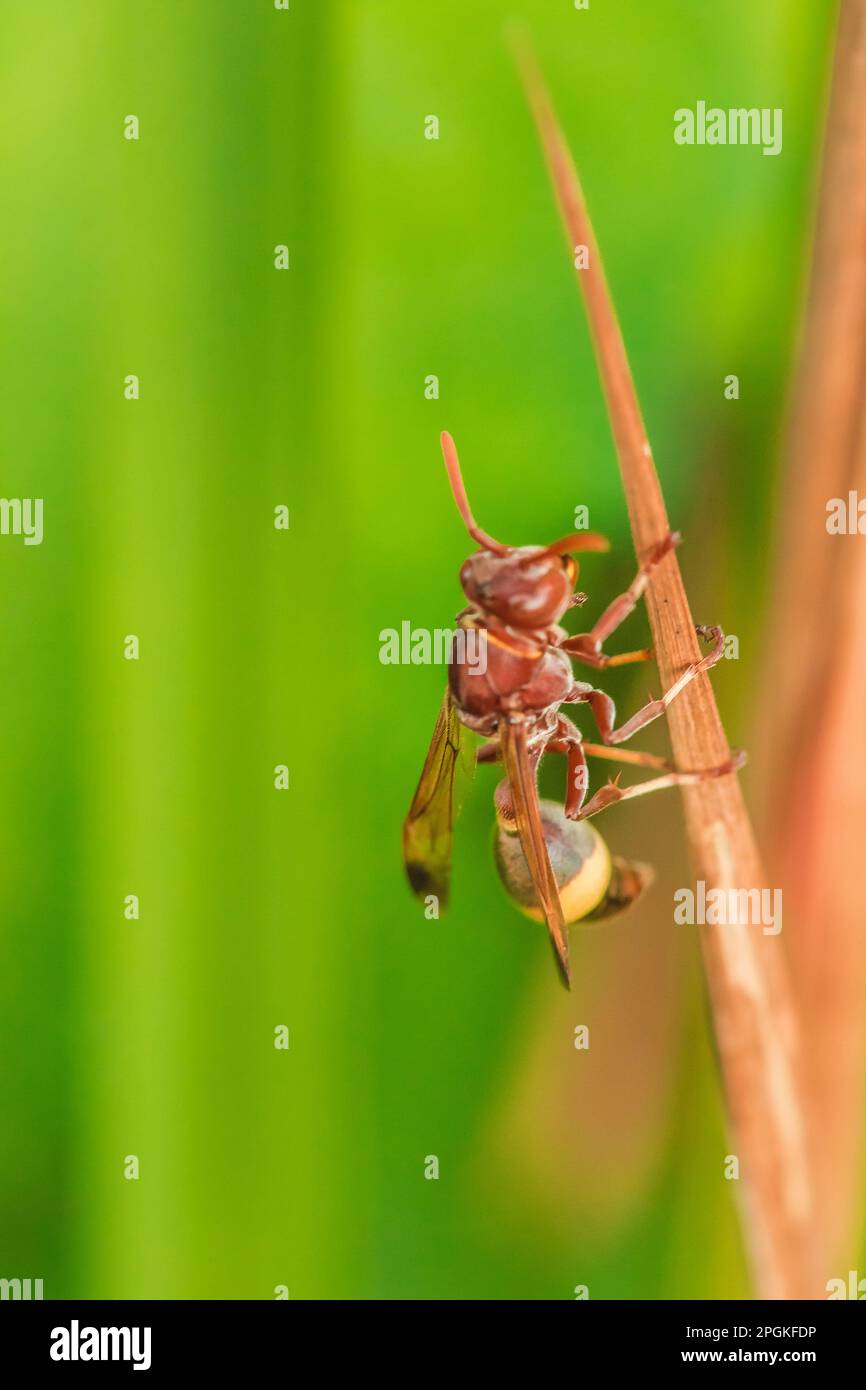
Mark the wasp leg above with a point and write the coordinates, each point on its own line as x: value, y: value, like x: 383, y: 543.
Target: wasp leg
x: 628, y: 755
x: 586, y: 646
x: 491, y: 751
x: 600, y: 660
x: 604, y: 709
x: 503, y: 801
x: 563, y: 738
x: 613, y: 792
x: 569, y: 740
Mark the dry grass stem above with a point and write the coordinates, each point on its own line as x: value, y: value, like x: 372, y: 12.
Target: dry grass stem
x: 755, y: 1022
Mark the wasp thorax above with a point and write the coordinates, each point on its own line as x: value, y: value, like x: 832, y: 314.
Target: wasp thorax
x: 592, y: 883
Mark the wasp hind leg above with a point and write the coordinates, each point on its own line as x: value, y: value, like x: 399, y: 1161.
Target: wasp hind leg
x: 613, y: 792
x: 564, y: 738
x: 568, y: 740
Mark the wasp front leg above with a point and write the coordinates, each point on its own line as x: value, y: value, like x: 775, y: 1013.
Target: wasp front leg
x: 587, y: 646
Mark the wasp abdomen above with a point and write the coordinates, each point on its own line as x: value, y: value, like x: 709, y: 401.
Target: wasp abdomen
x: 592, y: 884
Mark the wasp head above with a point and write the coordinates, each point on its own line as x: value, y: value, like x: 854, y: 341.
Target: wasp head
x: 527, y: 586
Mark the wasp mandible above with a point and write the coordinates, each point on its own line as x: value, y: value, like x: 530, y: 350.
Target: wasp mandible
x: 551, y: 862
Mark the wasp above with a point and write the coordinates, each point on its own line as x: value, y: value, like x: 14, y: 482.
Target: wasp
x: 554, y: 865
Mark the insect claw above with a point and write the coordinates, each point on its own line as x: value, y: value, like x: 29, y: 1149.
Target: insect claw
x: 605, y: 796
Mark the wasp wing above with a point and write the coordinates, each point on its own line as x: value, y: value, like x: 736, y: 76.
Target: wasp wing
x: 524, y: 793
x: 428, y: 830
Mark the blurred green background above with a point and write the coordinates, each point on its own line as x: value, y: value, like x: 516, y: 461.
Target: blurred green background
x: 259, y: 647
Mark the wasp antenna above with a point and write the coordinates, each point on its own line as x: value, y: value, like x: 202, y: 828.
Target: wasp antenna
x: 452, y: 464
x: 578, y: 540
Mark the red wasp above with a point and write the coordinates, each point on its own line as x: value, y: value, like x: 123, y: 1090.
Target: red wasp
x: 517, y: 595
